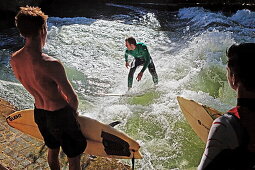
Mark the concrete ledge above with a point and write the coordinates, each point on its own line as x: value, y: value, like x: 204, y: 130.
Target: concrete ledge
x: 2, y: 168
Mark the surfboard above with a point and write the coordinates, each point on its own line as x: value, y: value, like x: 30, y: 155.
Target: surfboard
x: 102, y: 139
x: 113, y: 94
x: 127, y: 94
x: 199, y: 116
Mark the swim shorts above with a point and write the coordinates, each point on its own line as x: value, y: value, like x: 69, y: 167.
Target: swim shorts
x: 60, y: 128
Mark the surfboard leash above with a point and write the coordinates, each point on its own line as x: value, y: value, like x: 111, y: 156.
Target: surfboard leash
x: 133, y: 160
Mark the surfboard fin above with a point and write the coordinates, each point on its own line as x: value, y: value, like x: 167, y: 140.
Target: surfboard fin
x: 115, y: 123
x: 115, y: 145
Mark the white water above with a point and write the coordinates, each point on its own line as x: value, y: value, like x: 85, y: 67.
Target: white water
x: 190, y: 60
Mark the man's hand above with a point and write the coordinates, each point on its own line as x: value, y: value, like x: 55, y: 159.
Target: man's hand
x: 127, y: 65
x: 139, y: 76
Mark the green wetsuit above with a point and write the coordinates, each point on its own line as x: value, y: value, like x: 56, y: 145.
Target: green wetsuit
x: 140, y: 52
x: 142, y: 57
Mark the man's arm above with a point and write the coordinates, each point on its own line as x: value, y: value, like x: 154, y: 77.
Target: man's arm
x: 221, y: 138
x: 147, y: 57
x: 59, y: 76
x: 126, y: 59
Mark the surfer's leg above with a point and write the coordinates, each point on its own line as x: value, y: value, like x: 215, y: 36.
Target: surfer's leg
x: 152, y: 70
x: 131, y: 76
x: 74, y: 163
x: 53, y: 145
x: 53, y: 160
x: 72, y: 141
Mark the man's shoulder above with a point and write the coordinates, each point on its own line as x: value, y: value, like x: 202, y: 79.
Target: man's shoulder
x: 226, y: 119
x: 50, y: 62
x: 141, y: 44
x: 16, y: 54
x: 48, y: 58
x: 16, y: 57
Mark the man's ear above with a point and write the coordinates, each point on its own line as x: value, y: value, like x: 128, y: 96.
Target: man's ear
x: 133, y: 46
x: 43, y: 30
x: 235, y: 81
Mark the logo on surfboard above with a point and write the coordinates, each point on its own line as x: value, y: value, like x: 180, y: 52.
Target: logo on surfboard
x: 11, y: 118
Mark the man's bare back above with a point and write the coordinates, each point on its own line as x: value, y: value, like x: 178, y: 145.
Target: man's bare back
x: 44, y: 77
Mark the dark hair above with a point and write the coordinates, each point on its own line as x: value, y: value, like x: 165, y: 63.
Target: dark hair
x: 131, y: 40
x: 241, y: 62
x: 30, y: 20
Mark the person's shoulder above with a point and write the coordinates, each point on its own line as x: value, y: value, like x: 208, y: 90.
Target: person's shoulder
x: 49, y: 59
x: 222, y: 121
x: 15, y: 56
x: 226, y: 121
x: 140, y: 44
x: 51, y: 62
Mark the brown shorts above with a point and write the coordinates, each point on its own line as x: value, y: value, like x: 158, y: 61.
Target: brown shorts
x: 60, y: 128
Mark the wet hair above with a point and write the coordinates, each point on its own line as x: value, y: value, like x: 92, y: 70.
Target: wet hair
x: 241, y: 62
x: 30, y: 20
x: 131, y: 40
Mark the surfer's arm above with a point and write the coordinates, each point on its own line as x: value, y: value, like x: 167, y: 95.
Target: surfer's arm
x: 146, y: 56
x: 126, y: 59
x: 65, y: 87
x: 221, y: 138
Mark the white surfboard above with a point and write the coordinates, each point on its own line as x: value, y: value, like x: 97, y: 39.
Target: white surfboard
x: 199, y: 116
x: 114, y: 94
x: 102, y: 139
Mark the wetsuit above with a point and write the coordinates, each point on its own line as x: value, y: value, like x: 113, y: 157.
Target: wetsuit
x: 227, y: 144
x: 142, y: 57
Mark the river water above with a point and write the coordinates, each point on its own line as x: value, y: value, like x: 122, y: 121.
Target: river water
x: 188, y: 47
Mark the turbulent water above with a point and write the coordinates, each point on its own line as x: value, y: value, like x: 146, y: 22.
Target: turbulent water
x: 188, y: 47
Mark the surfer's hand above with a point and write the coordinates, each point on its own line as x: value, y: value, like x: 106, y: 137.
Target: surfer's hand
x: 127, y: 65
x: 139, y: 76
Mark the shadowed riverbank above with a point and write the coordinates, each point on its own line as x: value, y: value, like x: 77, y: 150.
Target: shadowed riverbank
x: 89, y: 8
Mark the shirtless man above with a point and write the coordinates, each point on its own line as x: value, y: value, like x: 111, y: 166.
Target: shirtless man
x: 45, y: 79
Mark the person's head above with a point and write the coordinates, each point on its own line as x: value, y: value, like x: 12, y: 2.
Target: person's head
x: 31, y: 22
x: 241, y: 66
x: 130, y: 43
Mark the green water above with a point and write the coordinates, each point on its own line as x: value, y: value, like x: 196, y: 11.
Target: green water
x: 144, y: 99
x: 210, y: 80
x: 192, y: 145
x: 150, y: 128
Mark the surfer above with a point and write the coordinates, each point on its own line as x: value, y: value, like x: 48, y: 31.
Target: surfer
x: 141, y: 58
x: 45, y: 79
x: 231, y: 140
